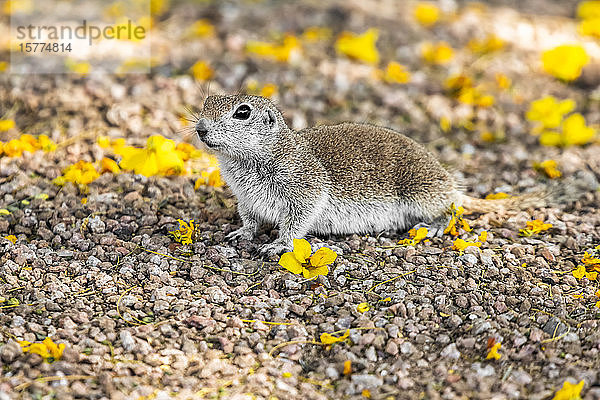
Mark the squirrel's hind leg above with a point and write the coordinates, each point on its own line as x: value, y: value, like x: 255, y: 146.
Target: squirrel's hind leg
x: 436, y: 227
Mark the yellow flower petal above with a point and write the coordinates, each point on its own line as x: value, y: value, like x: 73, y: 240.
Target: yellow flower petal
x: 47, y: 349
x: 11, y: 238
x: 6, y: 124
x: 202, y: 28
x: 323, y: 256
x: 579, y: 272
x: 549, y: 167
x: 420, y: 234
x: 493, y: 352
x: 360, y: 47
x: 396, y: 73
x: 499, y: 195
x: 550, y: 138
x: 302, y: 250
x: 588, y: 9
x: 290, y: 262
x: 347, y: 367
x: 575, y: 132
x: 104, y: 142
x: 108, y: 165
x: 569, y: 391
x: 281, y: 52
x: 426, y: 14
x: 169, y: 162
x: 327, y: 338
x: 565, y: 62
x: 549, y: 111
x: 489, y: 44
x: 483, y: 236
x: 461, y: 245
x: 201, y: 71
x: 437, y: 53
x: 310, y: 273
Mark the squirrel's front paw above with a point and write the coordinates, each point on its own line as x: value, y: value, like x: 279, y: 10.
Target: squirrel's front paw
x: 273, y: 249
x: 243, y: 233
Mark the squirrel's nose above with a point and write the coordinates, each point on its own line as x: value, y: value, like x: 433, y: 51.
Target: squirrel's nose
x: 201, y: 128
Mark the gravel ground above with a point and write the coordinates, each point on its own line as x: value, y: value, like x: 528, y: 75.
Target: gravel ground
x: 142, y: 319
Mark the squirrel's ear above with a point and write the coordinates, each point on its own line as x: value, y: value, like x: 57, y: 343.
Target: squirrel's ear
x: 270, y: 120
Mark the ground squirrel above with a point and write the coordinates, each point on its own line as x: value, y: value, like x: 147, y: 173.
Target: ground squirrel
x: 329, y: 179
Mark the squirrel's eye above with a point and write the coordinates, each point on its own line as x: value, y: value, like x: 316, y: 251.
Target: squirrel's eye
x: 242, y: 112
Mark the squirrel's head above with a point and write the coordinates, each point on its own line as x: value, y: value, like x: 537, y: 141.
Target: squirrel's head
x: 240, y: 126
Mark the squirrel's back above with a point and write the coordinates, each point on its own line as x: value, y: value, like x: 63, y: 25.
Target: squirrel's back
x: 371, y: 162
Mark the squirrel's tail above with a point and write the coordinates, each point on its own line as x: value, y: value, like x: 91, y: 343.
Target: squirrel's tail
x: 473, y: 205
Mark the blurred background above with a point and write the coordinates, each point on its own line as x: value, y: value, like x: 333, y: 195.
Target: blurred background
x: 473, y: 80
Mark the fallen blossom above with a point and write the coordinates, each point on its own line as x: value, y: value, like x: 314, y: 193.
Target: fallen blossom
x: 359, y: 47
x: 27, y: 142
x: 363, y: 307
x: 589, y: 259
x: 489, y: 44
x: 327, y: 338
x: 201, y: 71
x: 502, y: 81
x: 396, y: 73
x: 78, y: 67
x: 11, y: 238
x: 283, y: 51
x: 581, y: 271
x: 461, y: 87
x: 300, y: 261
x: 187, y: 151
x: 483, y: 236
x: 493, y: 352
x: 565, y: 62
x: 6, y: 124
x: 445, y: 124
x: 416, y: 236
x: 316, y: 33
x: 437, y: 53
x: 534, y: 227
x: 588, y: 9
x: 109, y: 165
x: 81, y: 173
x: 268, y: 90
x: 426, y: 14
x: 549, y: 167
x: 590, y: 27
x: 159, y: 157
x: 461, y: 245
x: 456, y: 221
x: 210, y: 177
x: 347, y: 367
x: 497, y: 196
x: 201, y: 28
x: 184, y: 234
x: 574, y: 131
x: 569, y: 391
x: 49, y: 350
x: 589, y: 13
x: 548, y: 111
